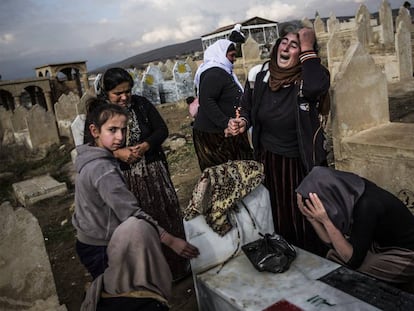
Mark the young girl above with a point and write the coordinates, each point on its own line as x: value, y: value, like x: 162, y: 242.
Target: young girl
x: 142, y: 159
x: 103, y: 204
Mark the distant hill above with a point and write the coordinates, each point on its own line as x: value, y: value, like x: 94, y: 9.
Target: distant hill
x: 161, y: 54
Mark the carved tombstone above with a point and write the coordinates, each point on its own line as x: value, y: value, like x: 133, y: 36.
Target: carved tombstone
x: 192, y: 65
x: 404, y: 17
x: 318, y: 25
x: 387, y: 29
x: 136, y: 77
x: 361, y: 31
x: 404, y: 51
x: 19, y: 118
x: 250, y: 50
x: 78, y: 128
x: 166, y: 70
x: 6, y: 126
x: 66, y: 110
x: 42, y: 128
x: 168, y: 92
x: 20, y: 130
x: 360, y: 96
x: 151, y: 83
x: 183, y: 79
x: 363, y: 18
x: 335, y: 53
x: 332, y: 23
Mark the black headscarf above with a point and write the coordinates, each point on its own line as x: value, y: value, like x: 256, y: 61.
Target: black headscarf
x: 337, y: 190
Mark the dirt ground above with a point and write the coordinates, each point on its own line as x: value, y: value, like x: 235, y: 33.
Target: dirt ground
x: 54, y: 218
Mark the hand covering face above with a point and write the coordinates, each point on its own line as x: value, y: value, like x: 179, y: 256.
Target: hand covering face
x: 339, y: 191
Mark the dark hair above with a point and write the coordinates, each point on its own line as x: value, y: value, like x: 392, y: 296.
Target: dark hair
x: 407, y: 4
x: 99, y: 111
x: 112, y: 78
x: 231, y: 48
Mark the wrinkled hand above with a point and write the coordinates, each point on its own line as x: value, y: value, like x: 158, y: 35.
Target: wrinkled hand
x: 306, y: 38
x: 235, y: 127
x: 315, y: 209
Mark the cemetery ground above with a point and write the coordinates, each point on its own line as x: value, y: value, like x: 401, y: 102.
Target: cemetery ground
x: 54, y: 215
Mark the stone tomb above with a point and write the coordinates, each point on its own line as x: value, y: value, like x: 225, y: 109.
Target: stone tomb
x: 36, y: 189
x: 26, y: 279
x: 365, y: 141
x: 239, y: 286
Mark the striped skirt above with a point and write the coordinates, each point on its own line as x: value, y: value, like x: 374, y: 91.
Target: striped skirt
x: 213, y: 148
x: 156, y: 195
x: 282, y: 176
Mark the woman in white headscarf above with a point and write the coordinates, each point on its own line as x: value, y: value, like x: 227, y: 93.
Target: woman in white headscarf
x: 219, y: 93
x: 367, y: 228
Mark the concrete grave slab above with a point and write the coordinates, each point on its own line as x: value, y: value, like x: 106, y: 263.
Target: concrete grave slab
x: 36, y: 189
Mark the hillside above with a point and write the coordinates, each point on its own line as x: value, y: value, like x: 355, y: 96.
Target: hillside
x: 161, y: 54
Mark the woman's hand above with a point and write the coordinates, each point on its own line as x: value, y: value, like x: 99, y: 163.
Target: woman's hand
x: 128, y: 154
x: 303, y: 209
x: 315, y: 208
x: 180, y: 246
x: 235, y: 127
x: 310, y: 216
x: 307, y: 39
x: 142, y: 148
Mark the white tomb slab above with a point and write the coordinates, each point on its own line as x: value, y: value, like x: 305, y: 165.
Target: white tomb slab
x: 238, y: 286
x: 78, y: 128
x: 38, y: 188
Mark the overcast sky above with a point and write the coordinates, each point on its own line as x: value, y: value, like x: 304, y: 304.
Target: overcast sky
x: 39, y: 32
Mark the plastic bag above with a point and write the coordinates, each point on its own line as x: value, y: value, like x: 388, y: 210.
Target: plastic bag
x: 270, y: 253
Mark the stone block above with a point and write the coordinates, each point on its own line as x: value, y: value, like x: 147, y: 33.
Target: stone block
x: 26, y: 279
x: 36, y: 189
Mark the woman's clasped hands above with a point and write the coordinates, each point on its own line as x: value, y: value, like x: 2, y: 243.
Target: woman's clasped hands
x: 235, y: 127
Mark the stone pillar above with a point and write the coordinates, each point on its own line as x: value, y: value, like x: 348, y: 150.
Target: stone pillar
x: 84, y: 78
x: 16, y: 101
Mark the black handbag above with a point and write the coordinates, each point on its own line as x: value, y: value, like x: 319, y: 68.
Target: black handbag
x: 270, y: 253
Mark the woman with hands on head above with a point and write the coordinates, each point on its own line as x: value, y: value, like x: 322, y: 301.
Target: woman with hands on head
x: 280, y: 103
x: 366, y: 227
x: 142, y: 159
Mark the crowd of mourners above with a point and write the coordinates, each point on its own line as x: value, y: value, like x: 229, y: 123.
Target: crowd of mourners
x: 129, y: 225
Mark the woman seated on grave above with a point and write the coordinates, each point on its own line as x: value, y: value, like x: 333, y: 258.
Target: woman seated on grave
x: 367, y: 228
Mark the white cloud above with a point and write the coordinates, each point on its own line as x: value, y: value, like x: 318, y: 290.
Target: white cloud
x: 187, y: 28
x: 6, y: 38
x: 103, y: 21
x: 276, y: 11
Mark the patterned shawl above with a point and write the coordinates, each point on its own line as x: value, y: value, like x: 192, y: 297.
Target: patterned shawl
x: 220, y: 188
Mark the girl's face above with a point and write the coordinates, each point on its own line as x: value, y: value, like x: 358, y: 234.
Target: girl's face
x: 111, y: 134
x: 120, y: 95
x: 288, y: 51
